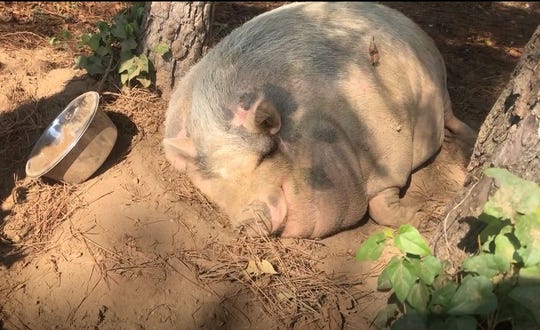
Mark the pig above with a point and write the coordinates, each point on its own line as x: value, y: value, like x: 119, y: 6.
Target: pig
x: 310, y: 117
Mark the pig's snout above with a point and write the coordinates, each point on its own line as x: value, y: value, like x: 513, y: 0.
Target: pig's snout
x: 264, y: 216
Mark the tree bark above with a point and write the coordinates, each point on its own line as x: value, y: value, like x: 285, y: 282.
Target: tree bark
x: 508, y: 138
x: 184, y: 27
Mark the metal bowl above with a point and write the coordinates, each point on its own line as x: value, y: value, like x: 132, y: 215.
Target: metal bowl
x: 75, y: 144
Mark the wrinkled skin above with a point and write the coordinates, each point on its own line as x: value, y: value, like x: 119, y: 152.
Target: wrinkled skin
x: 295, y: 126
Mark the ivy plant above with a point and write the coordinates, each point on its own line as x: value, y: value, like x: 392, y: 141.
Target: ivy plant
x: 114, y: 47
x: 501, y: 283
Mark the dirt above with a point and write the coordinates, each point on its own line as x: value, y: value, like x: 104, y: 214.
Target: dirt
x: 136, y: 246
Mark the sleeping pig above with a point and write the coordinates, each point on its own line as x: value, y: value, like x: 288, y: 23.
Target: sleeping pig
x: 311, y: 116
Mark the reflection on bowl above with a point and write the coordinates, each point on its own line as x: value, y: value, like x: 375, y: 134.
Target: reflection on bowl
x: 75, y: 144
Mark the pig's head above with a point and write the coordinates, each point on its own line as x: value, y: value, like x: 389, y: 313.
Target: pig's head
x: 245, y: 161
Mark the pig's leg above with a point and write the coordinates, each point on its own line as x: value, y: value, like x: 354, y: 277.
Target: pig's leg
x: 386, y: 209
x: 255, y: 220
x: 455, y: 127
x: 264, y: 216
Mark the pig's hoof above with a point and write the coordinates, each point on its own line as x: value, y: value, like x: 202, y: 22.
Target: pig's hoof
x: 255, y: 220
x: 255, y: 226
x: 385, y: 209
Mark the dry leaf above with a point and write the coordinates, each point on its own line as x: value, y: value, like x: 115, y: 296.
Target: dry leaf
x: 266, y: 267
x: 256, y: 267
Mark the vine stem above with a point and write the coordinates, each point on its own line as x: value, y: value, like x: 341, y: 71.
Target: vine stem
x: 105, y: 75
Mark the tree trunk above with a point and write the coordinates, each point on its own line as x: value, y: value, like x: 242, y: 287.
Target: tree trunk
x: 508, y: 138
x: 182, y: 26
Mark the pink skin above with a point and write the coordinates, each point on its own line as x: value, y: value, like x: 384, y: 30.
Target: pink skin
x: 318, y: 214
x: 318, y: 191
x: 301, y: 209
x: 311, y: 213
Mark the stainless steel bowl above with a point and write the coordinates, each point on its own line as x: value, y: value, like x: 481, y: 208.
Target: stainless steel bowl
x: 75, y: 144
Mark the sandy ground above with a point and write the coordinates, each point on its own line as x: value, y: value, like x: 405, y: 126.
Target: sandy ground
x: 136, y: 246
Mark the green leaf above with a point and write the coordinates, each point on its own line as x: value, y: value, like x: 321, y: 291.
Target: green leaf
x: 128, y: 66
x: 493, y: 228
x: 529, y: 276
x: 388, y: 233
x: 442, y: 297
x: 128, y: 44
x: 528, y: 233
x: 118, y: 30
x: 409, y: 240
x: 103, y: 27
x: 92, y: 64
x: 85, y: 38
x: 103, y: 51
x: 134, y: 66
x: 418, y: 297
x: 144, y: 63
x: 504, y: 248
x: 464, y: 322
x: 145, y: 82
x: 126, y: 56
x: 522, y: 318
x: 80, y: 62
x: 403, y: 280
x: 372, y: 247
x: 124, y: 77
x: 384, y: 282
x: 410, y: 321
x: 65, y: 35
x: 474, y: 296
x: 161, y: 48
x: 93, y: 42
x: 386, y: 314
x: 427, y: 268
x: 436, y: 323
x: 130, y: 29
x: 529, y: 298
x: 514, y: 196
x: 488, y: 265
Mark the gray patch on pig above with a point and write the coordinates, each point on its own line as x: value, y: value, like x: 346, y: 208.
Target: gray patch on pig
x: 246, y: 100
x: 281, y: 98
x: 318, y: 179
x: 273, y: 200
x: 286, y: 106
x: 204, y: 168
x: 325, y: 133
x: 227, y: 113
x: 262, y: 144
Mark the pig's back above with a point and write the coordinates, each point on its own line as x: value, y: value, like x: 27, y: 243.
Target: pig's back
x: 320, y: 41
x: 318, y: 56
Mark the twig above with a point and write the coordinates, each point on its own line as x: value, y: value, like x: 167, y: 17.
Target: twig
x: 101, y: 269
x: 445, y: 222
x: 105, y: 75
x: 186, y: 278
x: 131, y: 98
x: 10, y: 34
x: 72, y: 313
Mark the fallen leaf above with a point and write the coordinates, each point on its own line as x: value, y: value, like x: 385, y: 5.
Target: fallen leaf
x: 266, y: 267
x: 256, y: 267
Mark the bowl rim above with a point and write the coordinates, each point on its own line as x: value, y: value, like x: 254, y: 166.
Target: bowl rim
x: 63, y: 154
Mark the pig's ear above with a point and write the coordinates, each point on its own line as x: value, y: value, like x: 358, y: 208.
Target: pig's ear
x: 257, y: 114
x: 267, y: 118
x: 180, y: 151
